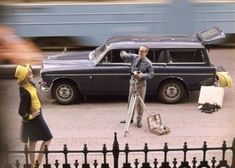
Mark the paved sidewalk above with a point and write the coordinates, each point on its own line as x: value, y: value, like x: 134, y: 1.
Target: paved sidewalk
x: 95, y: 121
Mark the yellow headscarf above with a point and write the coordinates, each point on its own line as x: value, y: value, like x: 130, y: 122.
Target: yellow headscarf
x: 21, y: 72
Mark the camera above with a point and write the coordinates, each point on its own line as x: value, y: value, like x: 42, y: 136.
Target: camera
x: 135, y: 73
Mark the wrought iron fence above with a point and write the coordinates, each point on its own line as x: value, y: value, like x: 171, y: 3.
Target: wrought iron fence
x: 115, y: 152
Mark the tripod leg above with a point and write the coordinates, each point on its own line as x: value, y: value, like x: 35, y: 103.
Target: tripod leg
x: 130, y: 113
x: 142, y: 102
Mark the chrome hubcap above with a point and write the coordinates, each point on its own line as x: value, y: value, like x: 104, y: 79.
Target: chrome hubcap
x: 64, y: 91
x: 172, y: 91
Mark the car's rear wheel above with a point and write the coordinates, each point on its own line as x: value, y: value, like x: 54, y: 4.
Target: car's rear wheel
x: 171, y: 92
x: 65, y: 92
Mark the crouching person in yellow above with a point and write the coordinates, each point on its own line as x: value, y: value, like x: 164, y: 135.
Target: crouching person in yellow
x: 34, y: 127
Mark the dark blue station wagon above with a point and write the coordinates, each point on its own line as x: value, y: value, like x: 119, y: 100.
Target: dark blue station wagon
x: 181, y: 64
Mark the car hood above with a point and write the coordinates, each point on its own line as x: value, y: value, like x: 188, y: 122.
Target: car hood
x: 62, y: 65
x: 67, y: 60
x: 70, y: 56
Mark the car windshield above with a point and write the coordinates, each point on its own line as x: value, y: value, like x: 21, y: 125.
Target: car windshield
x: 96, y: 53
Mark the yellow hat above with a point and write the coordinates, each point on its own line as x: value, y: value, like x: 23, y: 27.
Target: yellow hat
x: 21, y: 72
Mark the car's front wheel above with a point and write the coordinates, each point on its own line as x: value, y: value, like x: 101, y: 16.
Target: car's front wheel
x: 65, y: 92
x: 172, y: 92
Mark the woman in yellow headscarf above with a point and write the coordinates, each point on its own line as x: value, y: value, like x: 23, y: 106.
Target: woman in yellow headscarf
x: 34, y: 127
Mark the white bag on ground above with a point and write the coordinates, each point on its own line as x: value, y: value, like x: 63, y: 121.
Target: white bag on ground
x: 212, y: 95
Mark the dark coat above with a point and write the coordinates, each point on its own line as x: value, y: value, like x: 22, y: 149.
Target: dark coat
x: 25, y: 103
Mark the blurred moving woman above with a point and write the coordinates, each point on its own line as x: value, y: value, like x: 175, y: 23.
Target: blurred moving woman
x: 34, y: 127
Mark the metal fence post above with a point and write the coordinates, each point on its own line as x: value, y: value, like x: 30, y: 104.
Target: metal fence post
x: 165, y: 164
x: 115, y: 151
x: 233, y: 149
x: 105, y: 164
x: 85, y: 152
x: 26, y: 152
x: 146, y: 164
x: 46, y: 152
x: 65, y: 151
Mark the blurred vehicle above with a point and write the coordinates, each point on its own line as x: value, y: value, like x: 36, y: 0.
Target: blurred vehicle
x: 181, y: 64
x: 15, y: 50
x: 71, y: 24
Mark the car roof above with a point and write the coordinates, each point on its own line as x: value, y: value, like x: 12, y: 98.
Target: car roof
x: 154, y: 41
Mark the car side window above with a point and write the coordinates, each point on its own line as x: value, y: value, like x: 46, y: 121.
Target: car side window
x: 116, y: 56
x: 113, y: 56
x: 161, y: 56
x: 186, y: 55
x: 156, y: 55
x: 107, y: 58
x: 151, y: 55
x: 129, y: 51
x: 133, y: 51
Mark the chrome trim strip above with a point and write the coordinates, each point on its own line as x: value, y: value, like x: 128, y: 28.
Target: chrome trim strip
x: 187, y: 63
x: 179, y: 74
x: 117, y: 63
x: 103, y: 74
x: 68, y: 75
x: 181, y: 63
x: 124, y: 74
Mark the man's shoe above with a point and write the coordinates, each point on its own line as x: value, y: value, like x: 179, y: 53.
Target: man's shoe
x: 124, y: 121
x: 139, y: 124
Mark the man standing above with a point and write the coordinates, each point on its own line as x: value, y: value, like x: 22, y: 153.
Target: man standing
x: 141, y: 70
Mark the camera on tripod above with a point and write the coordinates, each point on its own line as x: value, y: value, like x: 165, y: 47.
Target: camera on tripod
x: 136, y: 75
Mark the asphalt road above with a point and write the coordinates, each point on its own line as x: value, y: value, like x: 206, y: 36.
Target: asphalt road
x: 94, y: 122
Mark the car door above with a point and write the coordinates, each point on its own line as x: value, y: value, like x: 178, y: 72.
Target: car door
x: 192, y: 66
x: 159, y: 60
x: 111, y: 75
x: 210, y: 35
